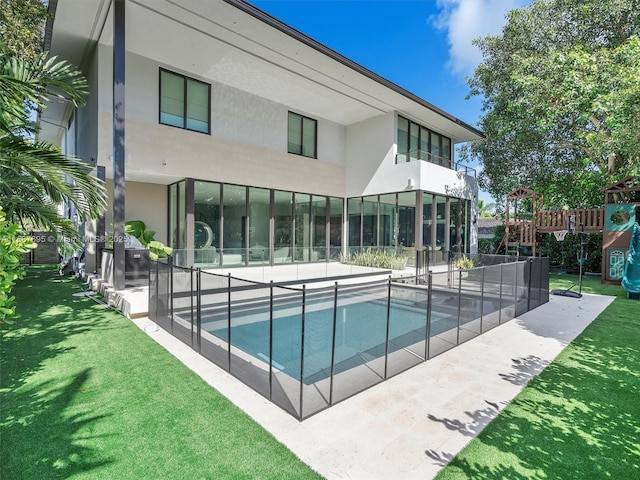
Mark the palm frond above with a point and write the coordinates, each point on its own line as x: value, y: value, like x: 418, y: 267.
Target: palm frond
x: 60, y: 176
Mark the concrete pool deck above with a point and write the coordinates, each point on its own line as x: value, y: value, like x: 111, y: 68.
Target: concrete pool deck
x: 410, y: 426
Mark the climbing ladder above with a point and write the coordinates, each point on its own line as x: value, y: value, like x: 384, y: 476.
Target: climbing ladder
x: 520, y: 221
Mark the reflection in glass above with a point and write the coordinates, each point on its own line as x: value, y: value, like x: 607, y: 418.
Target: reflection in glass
x: 182, y: 234
x: 206, y: 222
x: 446, y: 149
x: 414, y: 141
x: 283, y: 227
x: 302, y: 237
x: 403, y: 140
x: 370, y: 221
x: 354, y: 211
x: 173, y: 216
x: 388, y: 217
x: 335, y: 227
x: 428, y: 230
x: 455, y: 225
x: 441, y: 218
x: 234, y: 224
x: 319, y: 212
x: 406, y: 219
x: 259, y: 201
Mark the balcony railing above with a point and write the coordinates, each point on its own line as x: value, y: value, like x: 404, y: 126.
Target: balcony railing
x: 425, y: 156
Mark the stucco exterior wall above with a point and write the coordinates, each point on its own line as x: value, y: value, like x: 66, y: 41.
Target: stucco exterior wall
x: 146, y: 202
x: 247, y: 145
x: 371, y: 167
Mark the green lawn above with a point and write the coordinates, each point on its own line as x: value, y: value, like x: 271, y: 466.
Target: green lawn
x: 580, y: 418
x: 85, y: 394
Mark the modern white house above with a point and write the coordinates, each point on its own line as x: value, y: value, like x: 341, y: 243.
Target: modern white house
x: 240, y: 140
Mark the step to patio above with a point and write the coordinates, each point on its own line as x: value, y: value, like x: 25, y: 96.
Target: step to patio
x: 133, y: 302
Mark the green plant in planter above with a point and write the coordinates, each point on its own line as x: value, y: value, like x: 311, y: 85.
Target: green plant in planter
x: 138, y: 229
x: 377, y: 259
x: 465, y: 263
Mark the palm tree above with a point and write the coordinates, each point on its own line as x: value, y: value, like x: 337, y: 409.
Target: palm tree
x: 484, y: 209
x: 35, y: 177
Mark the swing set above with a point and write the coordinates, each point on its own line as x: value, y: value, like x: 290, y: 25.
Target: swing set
x: 526, y: 221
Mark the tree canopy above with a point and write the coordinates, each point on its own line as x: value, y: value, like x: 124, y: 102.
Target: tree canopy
x: 561, y: 100
x: 22, y: 26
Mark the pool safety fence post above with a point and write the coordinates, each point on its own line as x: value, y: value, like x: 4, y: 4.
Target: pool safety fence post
x: 515, y: 291
x: 170, y: 263
x: 482, y: 299
x: 500, y: 296
x: 427, y: 260
x: 530, y: 265
x: 198, y: 308
x: 191, y: 310
x: 304, y: 293
x: 229, y: 322
x: 459, y: 305
x: 427, y: 339
x: 386, y: 342
x: 154, y: 307
x: 270, y: 339
x: 333, y: 341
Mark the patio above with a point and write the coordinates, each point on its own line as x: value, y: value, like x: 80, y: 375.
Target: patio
x: 413, y: 424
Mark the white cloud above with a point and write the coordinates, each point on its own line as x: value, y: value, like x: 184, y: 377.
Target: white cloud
x: 464, y: 20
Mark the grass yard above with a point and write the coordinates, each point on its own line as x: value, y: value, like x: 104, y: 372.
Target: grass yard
x: 580, y: 418
x: 86, y: 394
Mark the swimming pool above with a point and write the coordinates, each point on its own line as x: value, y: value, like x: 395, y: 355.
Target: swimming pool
x: 360, y: 334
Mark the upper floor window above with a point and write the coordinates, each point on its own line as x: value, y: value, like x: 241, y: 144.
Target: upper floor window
x: 416, y: 142
x: 302, y: 138
x: 184, y: 102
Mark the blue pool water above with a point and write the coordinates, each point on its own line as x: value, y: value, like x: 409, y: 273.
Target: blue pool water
x: 360, y: 335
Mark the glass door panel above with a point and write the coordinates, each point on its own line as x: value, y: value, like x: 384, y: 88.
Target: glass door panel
x: 283, y: 226
x: 388, y: 220
x: 354, y: 211
x: 403, y: 140
x: 370, y: 221
x: 173, y: 215
x: 302, y: 222
x: 335, y: 227
x: 206, y: 222
x: 234, y: 225
x: 319, y: 212
x: 407, y: 225
x: 259, y: 202
x: 441, y: 226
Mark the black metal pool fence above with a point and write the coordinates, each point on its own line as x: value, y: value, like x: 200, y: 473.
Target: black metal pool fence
x: 306, y: 349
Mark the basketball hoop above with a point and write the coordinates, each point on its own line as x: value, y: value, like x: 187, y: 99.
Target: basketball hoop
x: 560, y: 234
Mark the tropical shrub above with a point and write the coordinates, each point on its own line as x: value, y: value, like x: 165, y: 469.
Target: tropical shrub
x: 12, y: 246
x: 138, y: 229
x: 465, y: 263
x: 377, y: 259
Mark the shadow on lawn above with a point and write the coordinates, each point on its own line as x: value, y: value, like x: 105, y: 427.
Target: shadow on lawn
x: 578, y: 419
x: 44, y: 421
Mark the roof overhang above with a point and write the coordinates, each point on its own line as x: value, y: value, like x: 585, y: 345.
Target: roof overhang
x: 235, y: 43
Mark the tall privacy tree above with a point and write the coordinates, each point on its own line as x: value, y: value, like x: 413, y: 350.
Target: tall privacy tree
x: 561, y: 88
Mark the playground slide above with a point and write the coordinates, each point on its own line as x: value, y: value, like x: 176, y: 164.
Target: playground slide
x: 631, y: 278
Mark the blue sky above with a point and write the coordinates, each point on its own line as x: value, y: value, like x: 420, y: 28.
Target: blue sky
x: 423, y: 46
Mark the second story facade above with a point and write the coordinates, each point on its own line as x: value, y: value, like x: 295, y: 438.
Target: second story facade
x: 220, y: 91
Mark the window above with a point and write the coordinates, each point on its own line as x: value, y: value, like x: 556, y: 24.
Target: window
x: 416, y: 142
x: 302, y: 135
x: 184, y: 102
